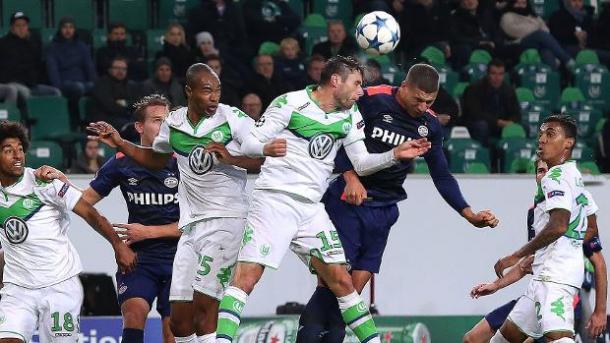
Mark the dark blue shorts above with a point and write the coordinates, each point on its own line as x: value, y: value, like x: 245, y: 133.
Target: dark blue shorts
x: 363, y: 230
x: 497, y: 317
x: 149, y: 280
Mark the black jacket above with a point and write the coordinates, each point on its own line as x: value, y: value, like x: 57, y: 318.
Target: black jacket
x: 20, y: 60
x: 348, y: 48
x: 181, y: 56
x: 563, y: 25
x: 269, y: 20
x: 137, y: 63
x: 105, y: 93
x: 268, y: 90
x: 423, y: 26
x: 466, y: 28
x: 173, y: 91
x: 478, y: 103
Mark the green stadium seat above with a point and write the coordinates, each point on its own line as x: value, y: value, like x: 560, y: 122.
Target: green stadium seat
x: 530, y: 56
x: 586, y: 56
x: 133, y: 13
x: 464, y: 151
x: 421, y: 167
x: 9, y: 112
x: 83, y: 12
x: 458, y: 90
x: 298, y: 7
x: 475, y: 71
x: 582, y: 153
x: 154, y: 42
x: 589, y: 167
x: 46, y: 35
x: 545, y: 8
x: 334, y: 10
x: 594, y: 81
x: 514, y: 130
x: 389, y: 69
x: 524, y: 95
x: 434, y: 56
x: 571, y: 95
x: 31, y: 8
x: 541, y: 80
x: 515, y: 154
x: 171, y: 11
x: 44, y: 152
x: 83, y: 108
x: 313, y: 30
x: 51, y: 119
x: 268, y: 48
x: 447, y: 77
x: 531, y: 116
x: 586, y: 120
x: 480, y: 56
x: 476, y: 168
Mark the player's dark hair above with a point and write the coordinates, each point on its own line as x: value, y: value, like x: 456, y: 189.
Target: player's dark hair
x: 342, y: 66
x: 194, y: 70
x: 116, y: 25
x: 12, y: 129
x: 567, y: 123
x: 139, y: 108
x: 424, y: 77
x: 496, y: 62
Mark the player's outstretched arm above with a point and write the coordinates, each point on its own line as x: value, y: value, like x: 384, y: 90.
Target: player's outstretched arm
x: 252, y: 165
x: 125, y: 257
x: 365, y: 163
x: 555, y: 228
x: 514, y: 275
x: 144, y: 156
x: 135, y: 232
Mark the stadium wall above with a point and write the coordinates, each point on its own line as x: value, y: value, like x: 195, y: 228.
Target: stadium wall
x: 433, y: 256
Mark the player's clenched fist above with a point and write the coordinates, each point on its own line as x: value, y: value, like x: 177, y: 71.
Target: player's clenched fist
x: 125, y: 257
x: 411, y: 149
x: 275, y: 148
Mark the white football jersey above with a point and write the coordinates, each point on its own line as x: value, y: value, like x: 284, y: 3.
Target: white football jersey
x: 313, y: 138
x: 35, y: 218
x: 207, y: 188
x: 562, y: 260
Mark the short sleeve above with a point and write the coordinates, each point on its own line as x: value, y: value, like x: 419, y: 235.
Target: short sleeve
x: 356, y: 132
x: 557, y: 191
x: 107, y: 178
x: 272, y: 122
x: 161, y: 143
x: 591, y: 207
x: 60, y: 194
x: 241, y: 125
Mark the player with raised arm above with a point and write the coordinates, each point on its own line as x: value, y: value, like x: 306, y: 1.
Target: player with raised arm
x: 301, y: 132
x: 152, y: 229
x: 212, y: 194
x: 363, y: 209
x: 546, y: 309
x: 41, y: 285
x: 596, y: 324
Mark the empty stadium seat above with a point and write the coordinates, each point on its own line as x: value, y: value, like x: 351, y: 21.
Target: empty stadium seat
x: 334, y: 9
x: 545, y: 8
x: 541, y: 80
x: 582, y: 153
x: 45, y: 152
x: 171, y: 11
x: 462, y: 152
x: 477, y: 64
x: 589, y: 167
x: 51, y: 119
x: 476, y: 168
x: 513, y: 130
x: 133, y: 13
x: 82, y: 11
x: 9, y: 112
x: 515, y: 154
x: 313, y: 30
x: 594, y: 82
x: 421, y: 167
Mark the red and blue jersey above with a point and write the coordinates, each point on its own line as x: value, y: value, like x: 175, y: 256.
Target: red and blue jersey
x: 387, y: 125
x: 151, y: 197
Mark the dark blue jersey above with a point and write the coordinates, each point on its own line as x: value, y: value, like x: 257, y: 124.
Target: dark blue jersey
x: 387, y: 125
x: 151, y: 196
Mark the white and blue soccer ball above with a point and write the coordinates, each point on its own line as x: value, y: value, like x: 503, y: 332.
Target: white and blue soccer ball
x: 378, y: 33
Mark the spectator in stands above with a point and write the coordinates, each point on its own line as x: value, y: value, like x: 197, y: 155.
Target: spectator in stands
x: 90, y: 159
x: 446, y: 109
x: 314, y: 70
x: 175, y: 48
x: 163, y: 82
x: 205, y: 45
x: 289, y: 62
x: 69, y: 61
x: 424, y: 23
x: 601, y: 32
x: 338, y: 43
x: 8, y: 94
x: 116, y: 45
x: 224, y: 20
x: 230, y: 83
x: 372, y: 74
x: 113, y: 95
x: 523, y: 26
x: 266, y: 83
x: 490, y: 104
x: 269, y: 20
x: 251, y: 104
x: 471, y: 27
x: 21, y: 64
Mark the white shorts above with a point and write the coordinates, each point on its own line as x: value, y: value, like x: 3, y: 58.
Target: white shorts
x: 545, y: 307
x: 216, y: 242
x: 183, y: 271
x: 277, y: 221
x: 55, y: 310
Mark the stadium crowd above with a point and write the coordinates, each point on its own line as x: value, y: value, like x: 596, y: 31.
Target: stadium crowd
x: 504, y: 66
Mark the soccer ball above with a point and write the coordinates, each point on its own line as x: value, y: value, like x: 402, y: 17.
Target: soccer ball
x: 378, y: 33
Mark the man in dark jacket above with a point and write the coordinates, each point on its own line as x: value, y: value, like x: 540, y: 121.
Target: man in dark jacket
x: 20, y: 60
x: 69, y: 62
x: 471, y: 27
x: 116, y: 45
x: 490, y: 104
x: 113, y: 96
x: 163, y: 82
x: 267, y: 84
x: 338, y: 43
x: 268, y: 20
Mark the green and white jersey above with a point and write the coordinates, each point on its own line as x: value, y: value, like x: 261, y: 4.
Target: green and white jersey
x: 207, y: 188
x: 35, y: 220
x: 313, y: 138
x: 562, y: 261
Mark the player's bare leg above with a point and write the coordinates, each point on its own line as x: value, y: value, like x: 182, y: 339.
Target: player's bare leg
x: 360, y: 278
x: 206, y: 316
x: 11, y: 340
x: 166, y: 331
x: 509, y: 332
x: 480, y: 333
x: 181, y: 319
x: 134, y: 311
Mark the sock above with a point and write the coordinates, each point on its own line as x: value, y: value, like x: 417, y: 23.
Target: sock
x: 209, y: 338
x: 133, y: 335
x: 229, y: 313
x: 189, y: 339
x: 357, y: 316
x: 498, y: 338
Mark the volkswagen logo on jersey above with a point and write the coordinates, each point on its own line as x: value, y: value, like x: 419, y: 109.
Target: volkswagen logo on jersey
x: 16, y: 230
x: 170, y: 182
x: 320, y: 146
x: 200, y: 161
x: 423, y: 131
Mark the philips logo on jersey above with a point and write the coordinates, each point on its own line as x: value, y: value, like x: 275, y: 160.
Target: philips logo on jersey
x: 152, y: 198
x: 388, y: 137
x: 200, y: 161
x: 321, y: 145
